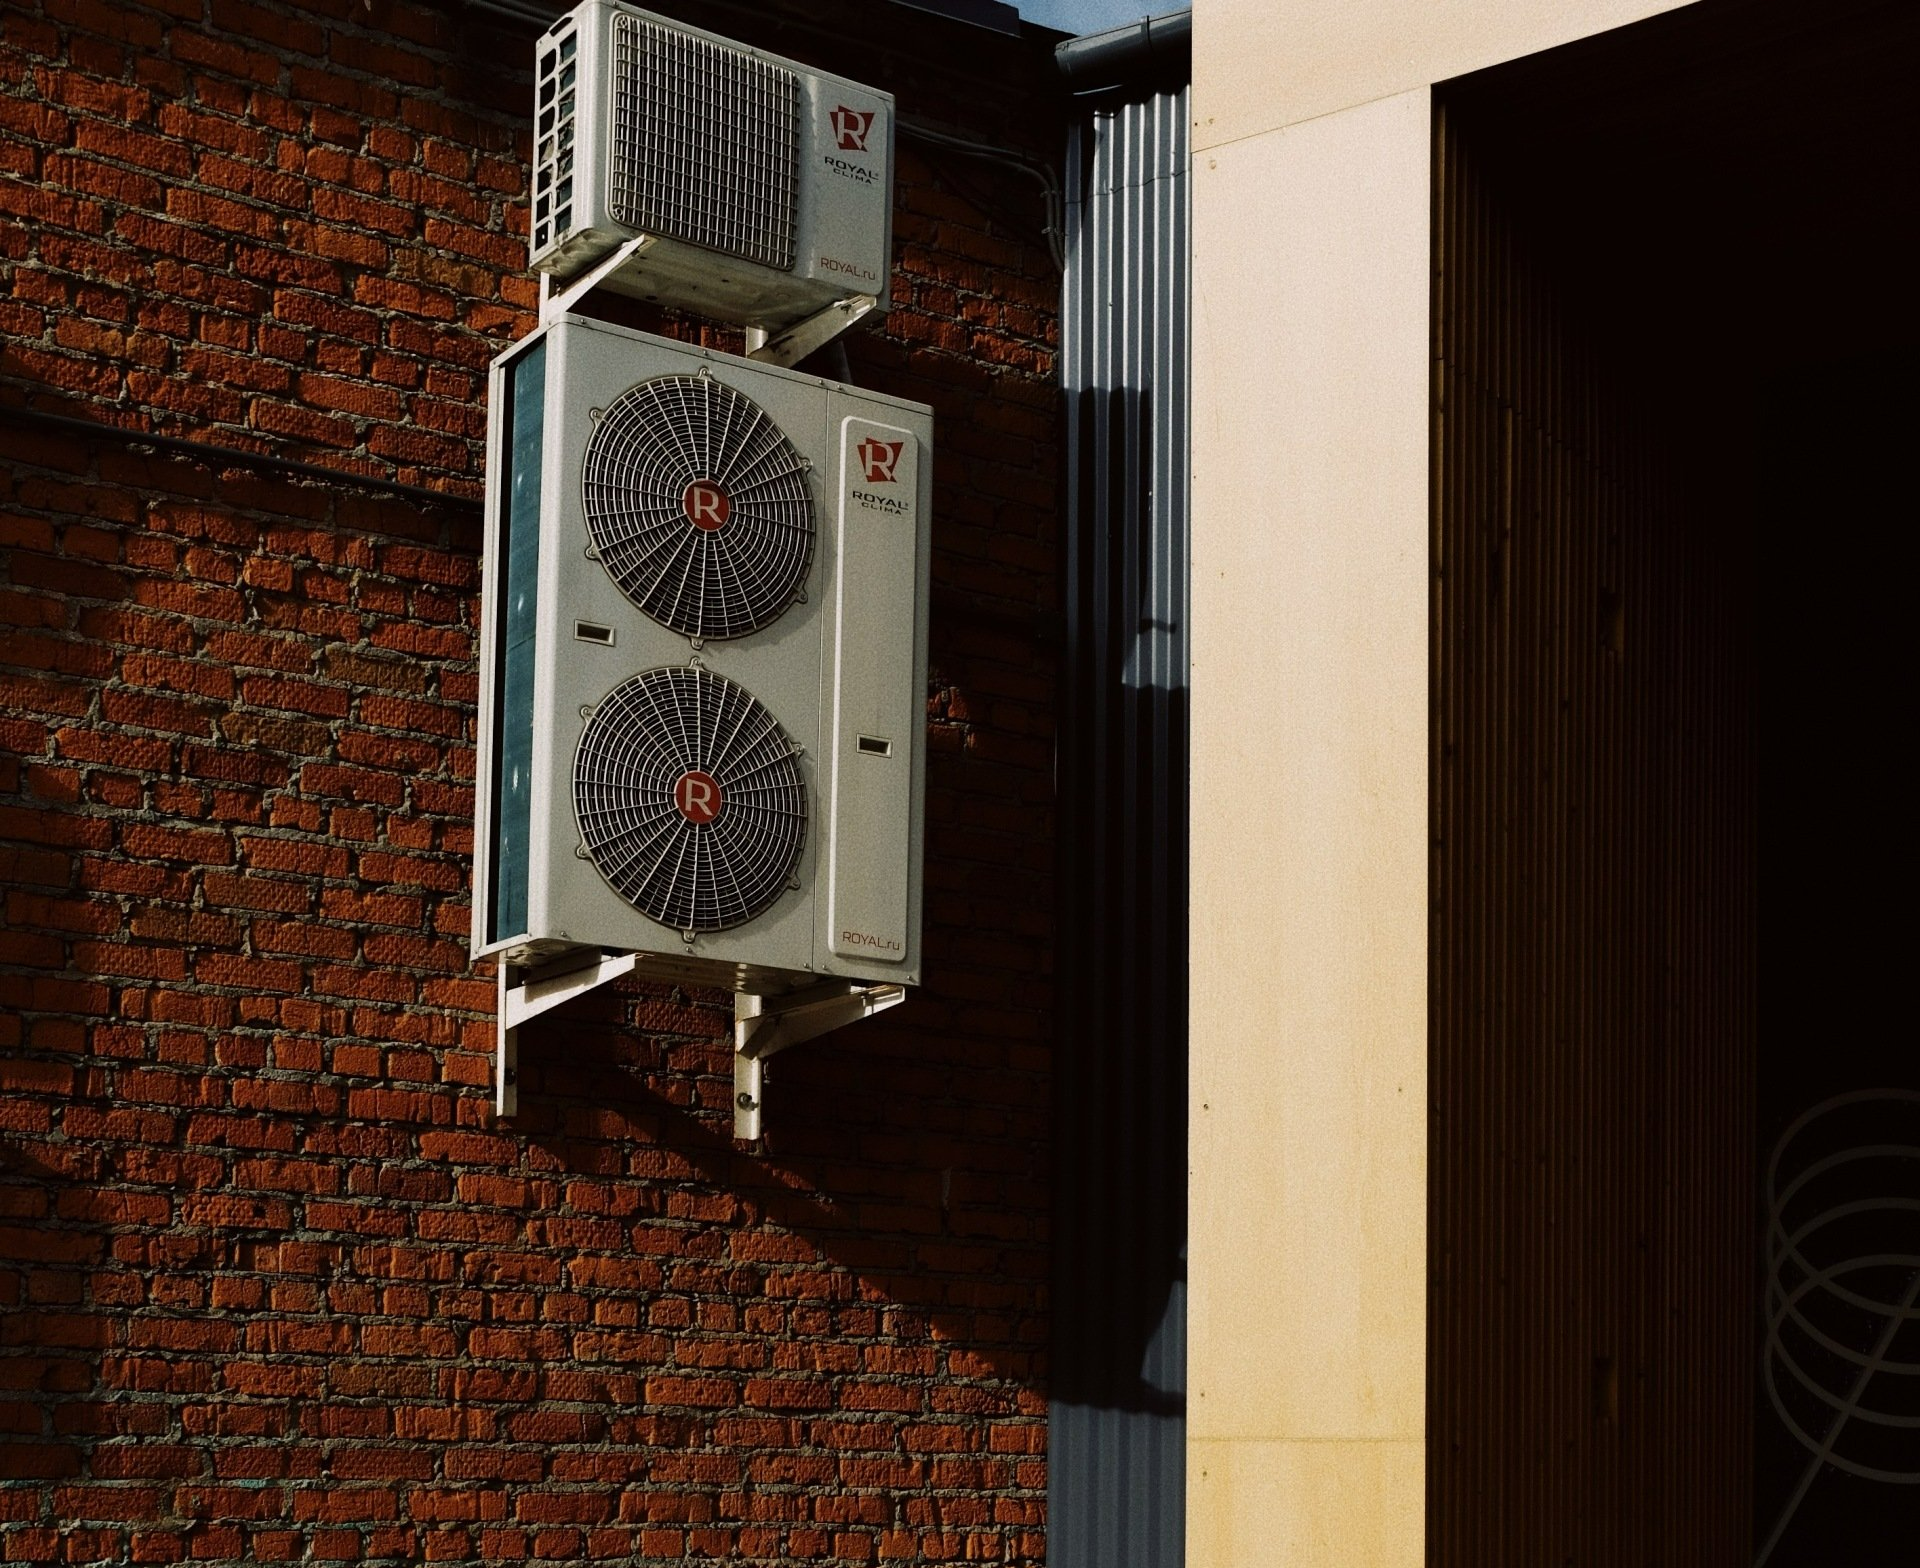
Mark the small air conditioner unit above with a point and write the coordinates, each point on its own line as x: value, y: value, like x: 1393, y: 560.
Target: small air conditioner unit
x: 703, y: 665
x: 761, y: 191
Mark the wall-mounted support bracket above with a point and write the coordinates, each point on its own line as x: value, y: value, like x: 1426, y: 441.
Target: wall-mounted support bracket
x: 784, y: 348
x: 554, y: 304
x: 764, y: 1025
x: 790, y: 345
x: 525, y: 994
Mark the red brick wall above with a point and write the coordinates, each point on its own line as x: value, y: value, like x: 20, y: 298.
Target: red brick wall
x: 273, y: 1284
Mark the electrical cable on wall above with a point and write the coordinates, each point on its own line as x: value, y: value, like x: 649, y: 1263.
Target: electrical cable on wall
x: 1033, y: 169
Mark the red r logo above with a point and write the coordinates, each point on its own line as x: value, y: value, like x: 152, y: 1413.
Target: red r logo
x: 878, y: 458
x: 697, y: 795
x: 850, y: 127
x: 706, y: 505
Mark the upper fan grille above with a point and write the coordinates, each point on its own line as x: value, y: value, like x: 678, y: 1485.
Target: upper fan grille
x: 698, y: 506
x: 690, y: 799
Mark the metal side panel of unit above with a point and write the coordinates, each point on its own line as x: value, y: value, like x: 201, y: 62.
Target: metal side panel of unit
x: 873, y: 692
x: 545, y: 932
x: 510, y: 555
x: 845, y: 237
x: 569, y: 224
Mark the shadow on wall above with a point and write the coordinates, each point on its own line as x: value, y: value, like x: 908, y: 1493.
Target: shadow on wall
x: 606, y: 1314
x: 273, y: 1283
x: 890, y: 1199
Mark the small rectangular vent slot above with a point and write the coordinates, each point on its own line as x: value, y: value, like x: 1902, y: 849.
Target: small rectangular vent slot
x: 588, y: 631
x: 705, y: 143
x: 874, y: 746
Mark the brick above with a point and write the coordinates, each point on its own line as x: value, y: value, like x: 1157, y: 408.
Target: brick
x: 276, y: 1081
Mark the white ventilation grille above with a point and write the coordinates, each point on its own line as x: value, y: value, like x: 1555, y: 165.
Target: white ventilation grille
x: 689, y: 799
x: 556, y: 67
x: 698, y: 507
x: 706, y: 143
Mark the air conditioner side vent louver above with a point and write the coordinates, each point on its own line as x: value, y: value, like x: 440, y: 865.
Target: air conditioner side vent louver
x: 557, y: 96
x: 705, y: 143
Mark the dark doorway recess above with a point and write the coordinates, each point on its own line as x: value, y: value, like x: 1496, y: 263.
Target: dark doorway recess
x: 1675, y: 342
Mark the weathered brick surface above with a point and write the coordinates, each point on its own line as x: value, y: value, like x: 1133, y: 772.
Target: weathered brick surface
x: 273, y: 1284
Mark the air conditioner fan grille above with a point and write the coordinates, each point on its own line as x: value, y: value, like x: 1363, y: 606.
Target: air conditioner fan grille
x: 705, y: 143
x: 689, y: 799
x: 698, y: 506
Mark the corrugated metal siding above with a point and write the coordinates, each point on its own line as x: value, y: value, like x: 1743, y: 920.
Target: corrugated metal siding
x: 1592, y: 938
x: 1117, y: 1424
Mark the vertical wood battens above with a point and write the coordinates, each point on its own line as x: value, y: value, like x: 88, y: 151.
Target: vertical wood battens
x: 1592, y: 940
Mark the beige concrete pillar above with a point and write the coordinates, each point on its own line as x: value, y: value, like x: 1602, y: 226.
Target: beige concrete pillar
x: 1307, y: 1257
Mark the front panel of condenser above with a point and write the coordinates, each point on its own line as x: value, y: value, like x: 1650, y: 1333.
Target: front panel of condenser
x: 601, y: 640
x: 873, y: 696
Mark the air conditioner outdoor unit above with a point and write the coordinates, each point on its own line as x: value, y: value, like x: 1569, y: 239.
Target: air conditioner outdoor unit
x: 703, y: 665
x: 761, y: 192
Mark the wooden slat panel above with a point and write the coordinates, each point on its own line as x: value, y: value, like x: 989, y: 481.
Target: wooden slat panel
x: 1592, y: 948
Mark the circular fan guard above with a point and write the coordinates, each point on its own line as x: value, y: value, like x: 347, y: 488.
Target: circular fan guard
x: 698, y: 506
x: 650, y: 759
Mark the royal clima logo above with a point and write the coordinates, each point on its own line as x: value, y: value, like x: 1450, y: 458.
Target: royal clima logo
x: 850, y: 128
x: 878, y: 459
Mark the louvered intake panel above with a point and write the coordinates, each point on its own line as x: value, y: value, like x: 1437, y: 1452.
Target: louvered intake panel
x: 556, y: 69
x: 689, y: 798
x: 705, y: 144
x: 698, y: 506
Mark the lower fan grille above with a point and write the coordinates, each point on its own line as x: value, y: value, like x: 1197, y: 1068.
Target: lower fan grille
x: 690, y: 799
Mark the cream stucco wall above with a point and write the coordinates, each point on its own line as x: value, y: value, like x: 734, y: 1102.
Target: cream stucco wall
x: 1307, y: 1253
x: 1307, y: 1216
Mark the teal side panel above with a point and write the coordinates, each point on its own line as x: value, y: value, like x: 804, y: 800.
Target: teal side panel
x: 518, y: 607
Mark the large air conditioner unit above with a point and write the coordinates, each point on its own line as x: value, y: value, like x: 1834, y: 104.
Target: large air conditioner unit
x: 760, y: 192
x: 703, y: 665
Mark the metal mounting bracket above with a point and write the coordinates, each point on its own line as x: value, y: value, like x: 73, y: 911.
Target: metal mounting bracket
x: 790, y: 345
x: 764, y: 1025
x: 525, y: 994
x: 553, y: 305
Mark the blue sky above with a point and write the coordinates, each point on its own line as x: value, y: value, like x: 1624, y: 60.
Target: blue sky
x: 1091, y: 16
